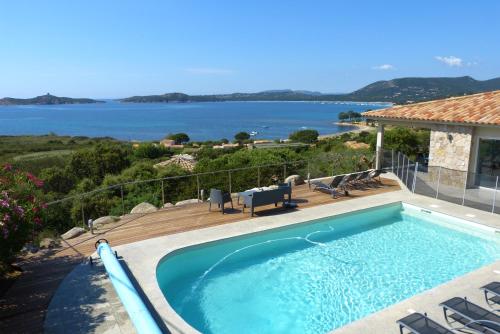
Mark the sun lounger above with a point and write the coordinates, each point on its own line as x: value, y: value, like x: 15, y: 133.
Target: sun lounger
x: 471, y: 315
x: 373, y: 175
x: 494, y: 289
x: 330, y: 188
x: 419, y: 323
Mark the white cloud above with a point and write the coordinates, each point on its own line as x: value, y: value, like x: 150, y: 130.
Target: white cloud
x: 384, y: 67
x: 208, y: 71
x: 451, y: 61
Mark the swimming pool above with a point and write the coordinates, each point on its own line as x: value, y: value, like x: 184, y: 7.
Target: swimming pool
x: 317, y: 276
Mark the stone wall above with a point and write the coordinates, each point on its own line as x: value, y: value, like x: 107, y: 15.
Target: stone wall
x: 450, y: 146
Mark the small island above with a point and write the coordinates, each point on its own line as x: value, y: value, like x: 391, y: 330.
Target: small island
x: 47, y: 99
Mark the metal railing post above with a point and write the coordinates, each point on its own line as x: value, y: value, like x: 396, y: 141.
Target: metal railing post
x: 123, y: 201
x: 494, y: 196
x: 392, y: 161
x: 258, y: 176
x: 414, y: 177
x: 230, y: 186
x: 198, y: 187
x: 465, y: 187
x: 438, y: 181
x: 397, y: 171
x: 83, y: 214
x: 407, y: 170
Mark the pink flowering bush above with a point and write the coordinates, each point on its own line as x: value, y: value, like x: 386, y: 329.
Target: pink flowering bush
x: 21, y: 210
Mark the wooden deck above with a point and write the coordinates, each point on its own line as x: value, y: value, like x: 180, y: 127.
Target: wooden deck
x: 23, y: 307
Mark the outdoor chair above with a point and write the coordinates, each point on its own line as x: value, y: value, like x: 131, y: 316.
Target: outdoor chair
x: 361, y: 177
x: 372, y: 177
x: 347, y: 182
x: 471, y: 315
x: 287, y: 187
x: 220, y: 198
x: 266, y: 197
x: 419, y: 323
x: 330, y: 188
x: 494, y: 289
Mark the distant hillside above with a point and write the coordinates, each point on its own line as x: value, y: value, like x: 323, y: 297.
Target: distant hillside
x: 400, y: 91
x: 45, y: 99
x: 407, y: 90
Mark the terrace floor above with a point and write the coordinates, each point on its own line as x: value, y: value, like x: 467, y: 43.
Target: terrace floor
x: 24, y: 305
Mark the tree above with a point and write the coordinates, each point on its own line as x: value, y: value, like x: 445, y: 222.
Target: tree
x: 343, y: 116
x: 241, y: 136
x: 305, y: 136
x: 57, y: 179
x: 150, y: 151
x: 179, y: 138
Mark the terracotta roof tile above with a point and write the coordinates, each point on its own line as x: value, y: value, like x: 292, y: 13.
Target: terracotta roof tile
x: 483, y: 108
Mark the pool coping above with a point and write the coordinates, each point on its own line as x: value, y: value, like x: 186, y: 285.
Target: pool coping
x: 142, y: 258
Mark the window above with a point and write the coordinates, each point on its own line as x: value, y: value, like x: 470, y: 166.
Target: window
x: 488, y: 160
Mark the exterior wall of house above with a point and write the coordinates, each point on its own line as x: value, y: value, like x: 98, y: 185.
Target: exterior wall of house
x: 451, y: 146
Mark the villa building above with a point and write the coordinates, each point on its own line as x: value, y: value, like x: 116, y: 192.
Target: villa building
x: 465, y: 131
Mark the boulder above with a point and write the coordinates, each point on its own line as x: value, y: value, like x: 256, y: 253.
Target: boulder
x: 295, y: 180
x: 48, y: 243
x: 73, y: 233
x: 188, y: 201
x: 144, y: 207
x: 168, y: 205
x: 105, y: 220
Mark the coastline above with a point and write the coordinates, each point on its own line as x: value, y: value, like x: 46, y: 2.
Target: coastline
x: 356, y: 128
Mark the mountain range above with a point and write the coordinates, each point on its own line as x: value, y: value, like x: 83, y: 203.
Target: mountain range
x: 398, y: 91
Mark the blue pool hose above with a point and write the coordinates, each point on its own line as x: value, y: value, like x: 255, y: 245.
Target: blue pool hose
x: 137, y: 310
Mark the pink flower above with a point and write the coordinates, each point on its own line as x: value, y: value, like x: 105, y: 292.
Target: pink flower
x: 19, y: 210
x: 37, y: 220
x: 4, y: 203
x: 7, y: 167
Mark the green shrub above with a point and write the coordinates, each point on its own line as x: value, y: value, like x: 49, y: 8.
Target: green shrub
x: 305, y: 136
x: 21, y: 210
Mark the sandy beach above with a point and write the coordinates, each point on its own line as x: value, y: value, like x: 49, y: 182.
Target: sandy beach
x: 356, y: 129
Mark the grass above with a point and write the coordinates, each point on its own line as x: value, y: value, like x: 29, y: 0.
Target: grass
x: 42, y: 155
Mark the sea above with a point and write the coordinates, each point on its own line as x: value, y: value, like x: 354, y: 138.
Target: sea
x: 201, y: 121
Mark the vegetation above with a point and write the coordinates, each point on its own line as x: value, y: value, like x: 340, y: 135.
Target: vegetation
x: 21, y: 211
x: 179, y: 138
x: 350, y: 116
x: 241, y: 136
x: 45, y: 99
x: 399, y: 91
x: 94, y: 164
x: 305, y: 136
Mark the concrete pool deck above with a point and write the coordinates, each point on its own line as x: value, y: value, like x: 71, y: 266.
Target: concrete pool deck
x: 142, y: 258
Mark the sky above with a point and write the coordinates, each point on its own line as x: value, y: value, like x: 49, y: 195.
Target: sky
x: 113, y: 49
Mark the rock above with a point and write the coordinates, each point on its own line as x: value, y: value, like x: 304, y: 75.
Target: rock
x: 48, y: 243
x: 295, y: 180
x: 188, y: 201
x: 74, y: 232
x: 105, y: 220
x: 168, y: 205
x: 144, y: 207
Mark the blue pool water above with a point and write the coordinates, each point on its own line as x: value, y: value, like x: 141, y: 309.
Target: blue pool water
x: 318, y: 276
